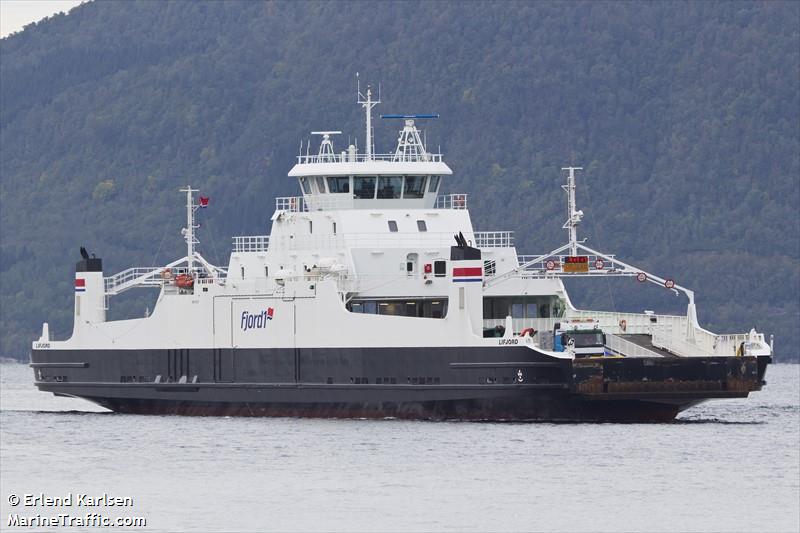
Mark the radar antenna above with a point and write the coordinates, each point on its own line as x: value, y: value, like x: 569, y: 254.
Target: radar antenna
x: 410, y: 146
x: 326, y: 153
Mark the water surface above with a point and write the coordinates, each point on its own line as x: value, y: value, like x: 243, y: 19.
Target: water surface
x: 727, y: 465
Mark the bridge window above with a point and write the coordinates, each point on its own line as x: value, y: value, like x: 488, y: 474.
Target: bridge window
x: 414, y: 187
x: 389, y: 187
x: 364, y: 187
x: 339, y: 184
x: 433, y: 184
x: 305, y: 185
x: 421, y: 225
x: 393, y: 226
x: 320, y: 184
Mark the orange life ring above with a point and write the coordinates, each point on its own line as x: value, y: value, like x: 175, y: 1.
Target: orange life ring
x: 623, y: 325
x: 530, y: 332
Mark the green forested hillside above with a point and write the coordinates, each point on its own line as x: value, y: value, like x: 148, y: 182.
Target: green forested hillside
x: 686, y: 117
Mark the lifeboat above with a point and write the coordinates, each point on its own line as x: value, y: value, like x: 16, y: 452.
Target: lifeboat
x: 184, y: 281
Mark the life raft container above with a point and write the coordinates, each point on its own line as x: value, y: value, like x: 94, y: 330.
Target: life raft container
x: 184, y: 281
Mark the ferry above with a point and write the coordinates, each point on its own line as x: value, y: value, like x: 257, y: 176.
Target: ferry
x: 374, y: 296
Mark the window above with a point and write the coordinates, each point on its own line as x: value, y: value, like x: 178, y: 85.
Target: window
x: 517, y: 310
x: 305, y: 185
x: 437, y: 309
x: 433, y: 184
x: 489, y: 268
x: 421, y: 226
x: 393, y: 226
x: 439, y: 269
x: 266, y: 271
x: 416, y: 308
x: 414, y: 187
x: 321, y: 184
x: 334, y: 228
x: 339, y: 184
x: 364, y: 187
x: 311, y: 226
x: 242, y: 272
x: 389, y: 187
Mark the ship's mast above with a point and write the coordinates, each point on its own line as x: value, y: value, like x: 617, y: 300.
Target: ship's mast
x: 574, y: 216
x: 368, y: 103
x: 188, y: 231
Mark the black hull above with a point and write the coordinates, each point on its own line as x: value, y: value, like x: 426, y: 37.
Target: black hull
x: 512, y: 384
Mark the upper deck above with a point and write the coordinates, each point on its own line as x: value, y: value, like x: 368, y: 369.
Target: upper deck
x: 350, y: 163
x: 407, y: 178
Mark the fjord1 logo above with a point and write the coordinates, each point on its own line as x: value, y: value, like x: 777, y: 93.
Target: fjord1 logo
x: 259, y: 321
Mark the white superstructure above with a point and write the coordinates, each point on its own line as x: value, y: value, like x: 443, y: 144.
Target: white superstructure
x: 363, y: 257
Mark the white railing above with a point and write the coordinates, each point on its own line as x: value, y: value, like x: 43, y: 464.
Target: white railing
x: 293, y: 204
x: 327, y: 241
x: 347, y: 157
x: 155, y: 277
x: 494, y: 239
x: 668, y: 332
x: 628, y: 348
x: 132, y: 277
x: 519, y: 324
x: 451, y: 201
x: 629, y: 323
x: 667, y: 338
x: 251, y: 243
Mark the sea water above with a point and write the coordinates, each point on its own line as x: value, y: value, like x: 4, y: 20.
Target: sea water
x: 725, y: 465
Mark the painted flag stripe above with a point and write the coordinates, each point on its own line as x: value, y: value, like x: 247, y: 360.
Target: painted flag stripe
x: 467, y: 271
x: 80, y: 282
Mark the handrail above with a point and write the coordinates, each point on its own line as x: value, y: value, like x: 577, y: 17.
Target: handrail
x: 132, y: 277
x: 494, y: 239
x: 628, y: 348
x: 251, y: 243
x: 451, y: 201
x: 347, y: 157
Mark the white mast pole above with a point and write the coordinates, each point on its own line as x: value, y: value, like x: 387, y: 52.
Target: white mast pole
x: 368, y: 103
x: 368, y: 107
x: 574, y: 215
x: 188, y: 231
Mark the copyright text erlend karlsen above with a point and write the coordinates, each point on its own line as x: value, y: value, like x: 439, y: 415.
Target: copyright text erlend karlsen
x: 84, y: 506
x: 74, y: 500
